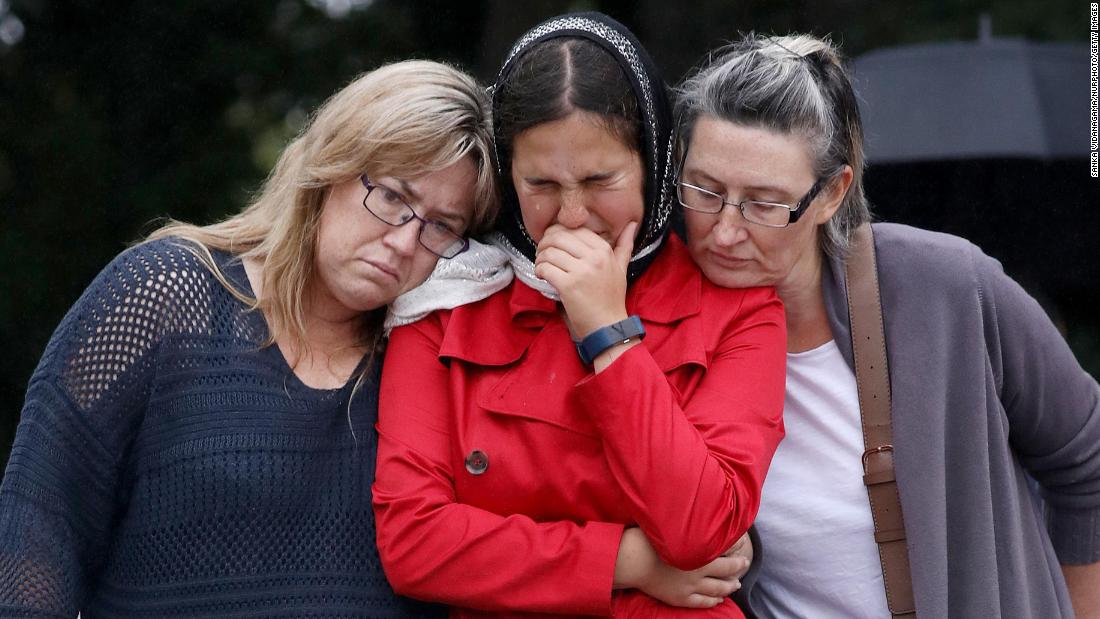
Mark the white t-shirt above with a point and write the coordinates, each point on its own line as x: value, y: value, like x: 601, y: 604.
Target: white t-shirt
x: 820, y: 559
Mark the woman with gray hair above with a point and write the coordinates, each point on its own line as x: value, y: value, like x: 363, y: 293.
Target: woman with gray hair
x: 986, y: 394
x: 198, y: 440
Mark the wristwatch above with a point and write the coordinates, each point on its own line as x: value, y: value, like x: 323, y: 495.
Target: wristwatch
x: 605, y: 337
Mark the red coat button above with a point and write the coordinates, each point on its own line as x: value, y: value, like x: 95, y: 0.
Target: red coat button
x: 477, y: 462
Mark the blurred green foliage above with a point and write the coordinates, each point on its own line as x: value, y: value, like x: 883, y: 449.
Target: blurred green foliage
x: 114, y: 114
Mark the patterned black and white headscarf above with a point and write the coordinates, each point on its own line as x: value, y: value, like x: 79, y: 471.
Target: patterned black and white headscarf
x: 657, y: 131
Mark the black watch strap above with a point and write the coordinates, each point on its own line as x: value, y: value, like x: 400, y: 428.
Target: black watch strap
x: 605, y: 337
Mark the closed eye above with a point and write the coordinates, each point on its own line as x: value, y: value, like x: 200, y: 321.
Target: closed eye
x: 600, y: 178
x: 445, y: 227
x: 713, y: 192
x: 538, y: 182
x: 447, y: 219
x: 390, y: 196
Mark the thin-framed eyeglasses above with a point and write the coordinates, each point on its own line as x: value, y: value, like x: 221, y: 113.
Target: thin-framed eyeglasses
x: 390, y: 208
x: 770, y: 214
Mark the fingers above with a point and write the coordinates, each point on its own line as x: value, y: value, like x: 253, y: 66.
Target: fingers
x: 579, y: 252
x: 742, y: 550
x: 577, y: 241
x: 742, y: 567
x: 569, y: 249
x: 712, y: 583
x: 724, y: 568
x: 728, y: 566
x: 560, y: 268
x: 695, y: 589
x: 696, y: 600
x: 624, y: 246
x: 739, y: 547
x: 582, y: 242
x: 714, y: 587
x: 558, y: 257
x: 585, y: 270
x: 557, y: 275
x: 583, y: 239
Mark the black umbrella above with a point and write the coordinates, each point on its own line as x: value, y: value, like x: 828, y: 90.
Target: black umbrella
x: 989, y: 140
x: 983, y: 99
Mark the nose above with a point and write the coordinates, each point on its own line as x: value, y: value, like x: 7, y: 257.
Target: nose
x: 403, y: 239
x: 730, y: 227
x: 572, y: 213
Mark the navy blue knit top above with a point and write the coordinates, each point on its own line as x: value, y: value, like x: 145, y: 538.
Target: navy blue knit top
x: 168, y: 465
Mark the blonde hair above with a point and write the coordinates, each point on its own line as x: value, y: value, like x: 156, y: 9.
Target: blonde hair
x: 404, y: 119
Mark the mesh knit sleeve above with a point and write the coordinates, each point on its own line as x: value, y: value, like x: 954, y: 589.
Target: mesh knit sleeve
x: 63, y: 487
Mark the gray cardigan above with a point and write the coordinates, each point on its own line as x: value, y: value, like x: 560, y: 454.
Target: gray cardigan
x: 985, y: 393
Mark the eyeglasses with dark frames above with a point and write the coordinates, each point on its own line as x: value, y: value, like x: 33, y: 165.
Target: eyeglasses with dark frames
x: 770, y: 214
x: 390, y: 208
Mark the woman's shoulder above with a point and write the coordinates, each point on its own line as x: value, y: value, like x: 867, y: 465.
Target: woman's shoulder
x: 145, y: 293
x: 174, y: 269
x: 467, y: 326
x: 492, y: 331
x: 926, y: 257
x: 152, y: 287
x: 904, y: 238
x: 159, y: 260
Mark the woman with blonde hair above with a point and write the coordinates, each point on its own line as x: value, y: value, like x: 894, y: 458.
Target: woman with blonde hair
x: 198, y: 437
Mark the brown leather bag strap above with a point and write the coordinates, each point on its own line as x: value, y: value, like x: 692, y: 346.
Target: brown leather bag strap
x: 873, y: 382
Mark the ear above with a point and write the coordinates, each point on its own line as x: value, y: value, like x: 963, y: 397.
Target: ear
x: 833, y: 194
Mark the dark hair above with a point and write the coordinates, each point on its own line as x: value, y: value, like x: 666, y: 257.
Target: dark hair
x: 590, y: 63
x: 796, y: 85
x: 562, y: 75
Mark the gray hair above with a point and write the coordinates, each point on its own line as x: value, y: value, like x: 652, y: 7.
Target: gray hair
x: 795, y: 85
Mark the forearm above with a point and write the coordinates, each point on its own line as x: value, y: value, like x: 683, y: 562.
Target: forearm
x: 693, y: 495
x: 1083, y: 582
x: 435, y: 549
x: 634, y: 561
x: 41, y: 569
x: 691, y: 458
x: 57, y: 503
x: 1053, y: 409
x: 682, y: 499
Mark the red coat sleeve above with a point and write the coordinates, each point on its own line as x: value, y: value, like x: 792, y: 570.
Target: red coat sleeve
x: 436, y: 549
x: 693, y: 473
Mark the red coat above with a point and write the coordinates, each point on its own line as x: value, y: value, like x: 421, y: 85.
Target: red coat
x: 675, y: 436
